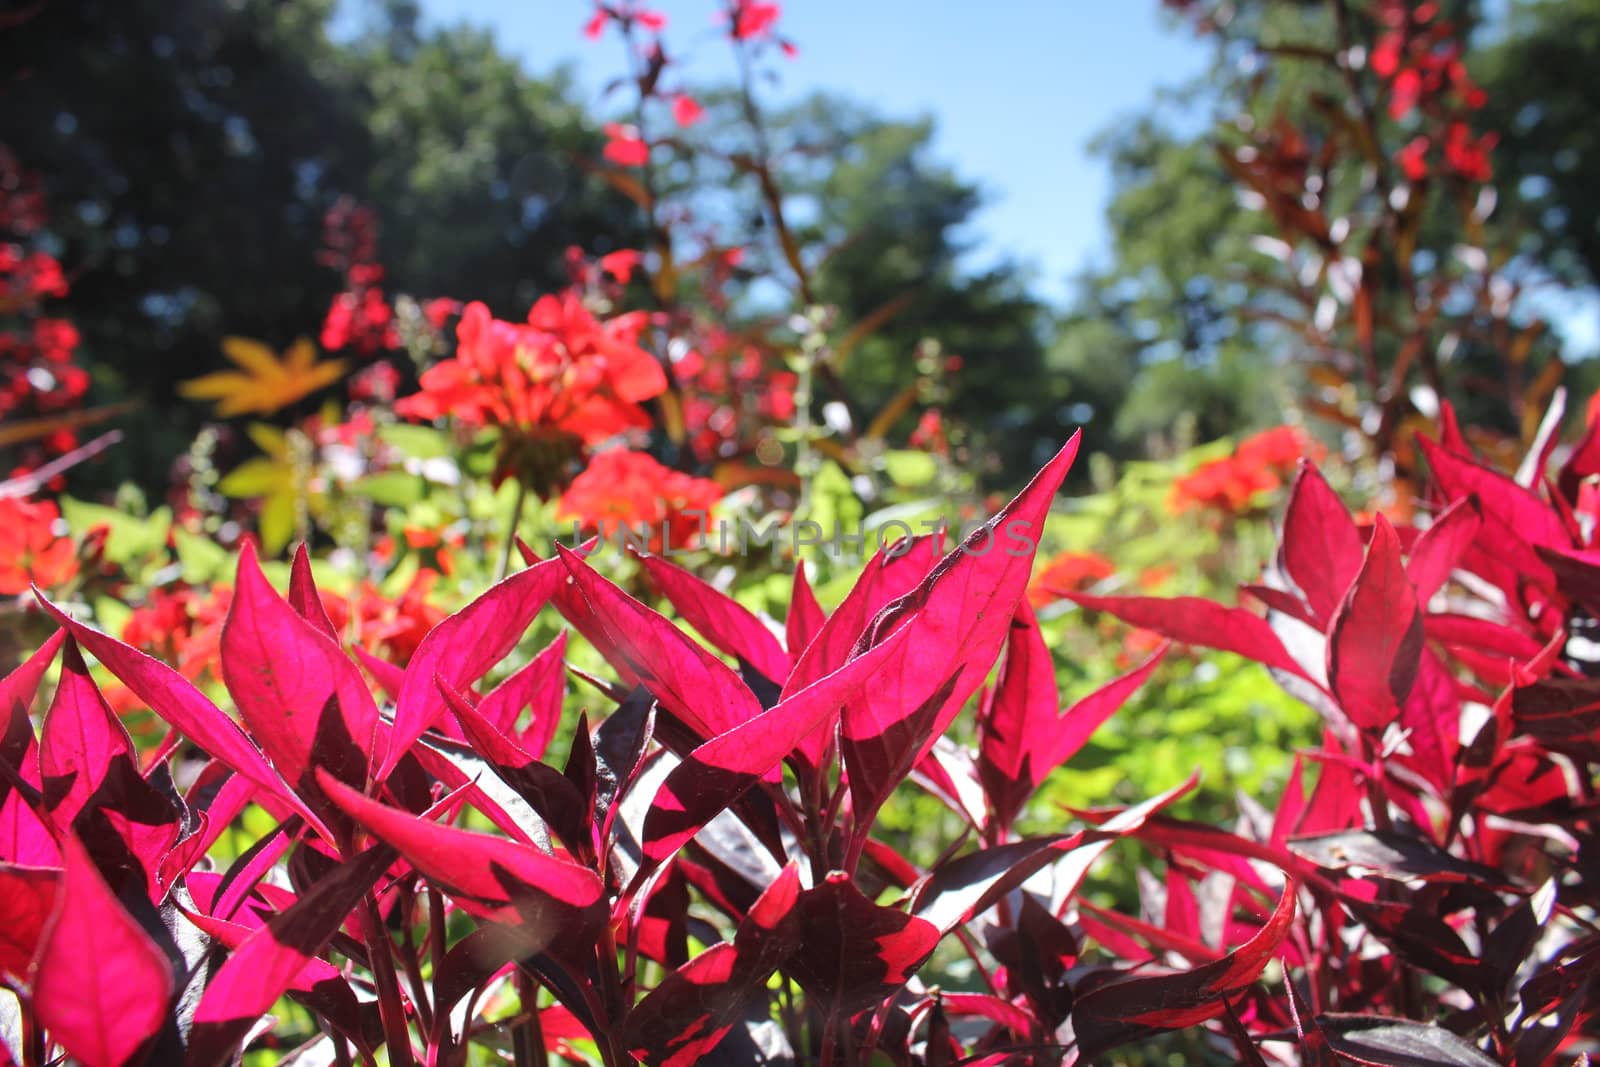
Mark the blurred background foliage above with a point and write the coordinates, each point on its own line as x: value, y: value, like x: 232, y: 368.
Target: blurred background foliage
x: 191, y: 148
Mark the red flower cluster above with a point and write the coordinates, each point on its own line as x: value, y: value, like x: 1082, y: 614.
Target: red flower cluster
x: 37, y: 373
x: 1419, y: 55
x: 624, y: 13
x: 30, y: 550
x: 622, y: 489
x: 564, y: 371
x: 360, y: 317
x: 731, y: 388
x: 1260, y: 464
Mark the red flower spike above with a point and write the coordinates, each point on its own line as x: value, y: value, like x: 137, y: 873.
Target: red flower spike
x: 101, y: 987
x: 1375, y: 640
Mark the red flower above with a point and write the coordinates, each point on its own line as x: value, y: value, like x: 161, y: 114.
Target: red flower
x: 1279, y: 449
x: 564, y: 371
x: 30, y: 551
x: 1068, y: 572
x: 1468, y: 156
x: 620, y: 264
x: 1413, y: 159
x: 630, y: 489
x: 687, y: 110
x: 624, y: 147
x: 752, y: 18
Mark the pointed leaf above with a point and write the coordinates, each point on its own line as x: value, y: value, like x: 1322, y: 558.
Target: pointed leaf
x: 1442, y: 546
x: 302, y: 697
x: 303, y: 595
x: 100, y: 986
x: 489, y: 876
x: 463, y: 647
x: 1321, y: 547
x: 540, y: 686
x: 722, y: 620
x: 271, y: 960
x: 1199, y: 622
x: 1375, y: 641
x: 646, y: 649
x: 1114, y: 1014
x: 174, y: 698
x: 957, y: 619
x: 805, y: 618
x: 718, y: 772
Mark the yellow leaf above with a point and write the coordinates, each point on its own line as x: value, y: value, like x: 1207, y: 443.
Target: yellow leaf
x: 264, y: 383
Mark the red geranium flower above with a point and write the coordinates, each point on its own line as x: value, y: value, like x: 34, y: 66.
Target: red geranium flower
x: 30, y: 551
x: 630, y: 489
x: 1068, y: 572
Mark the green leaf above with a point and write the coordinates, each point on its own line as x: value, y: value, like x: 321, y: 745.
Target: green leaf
x: 395, y: 489
x: 131, y: 537
x: 418, y: 442
x: 202, y: 559
x: 910, y: 469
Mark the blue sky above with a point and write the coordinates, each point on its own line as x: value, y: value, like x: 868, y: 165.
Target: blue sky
x: 1018, y: 88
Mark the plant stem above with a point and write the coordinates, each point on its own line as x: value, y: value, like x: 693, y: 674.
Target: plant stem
x: 527, y: 1038
x: 391, y: 1009
x: 504, y: 566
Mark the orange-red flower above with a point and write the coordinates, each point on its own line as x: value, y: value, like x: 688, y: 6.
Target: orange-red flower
x: 1260, y: 464
x: 564, y: 370
x: 1068, y: 572
x: 30, y: 550
x: 630, y: 489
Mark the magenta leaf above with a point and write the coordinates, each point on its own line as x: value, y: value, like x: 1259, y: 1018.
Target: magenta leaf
x: 805, y: 618
x: 691, y: 683
x: 303, y: 596
x: 718, y: 772
x: 551, y: 794
x: 1115, y: 1014
x: 463, y: 647
x: 690, y: 1012
x: 1321, y: 547
x: 730, y: 626
x: 100, y: 985
x: 80, y: 740
x: 1023, y: 733
x: 303, y: 699
x: 957, y: 619
x: 852, y: 952
x: 539, y: 686
x: 174, y: 698
x: 277, y: 956
x: 489, y: 876
x: 1442, y: 547
x: 27, y: 900
x: 1203, y: 623
x: 1375, y: 640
